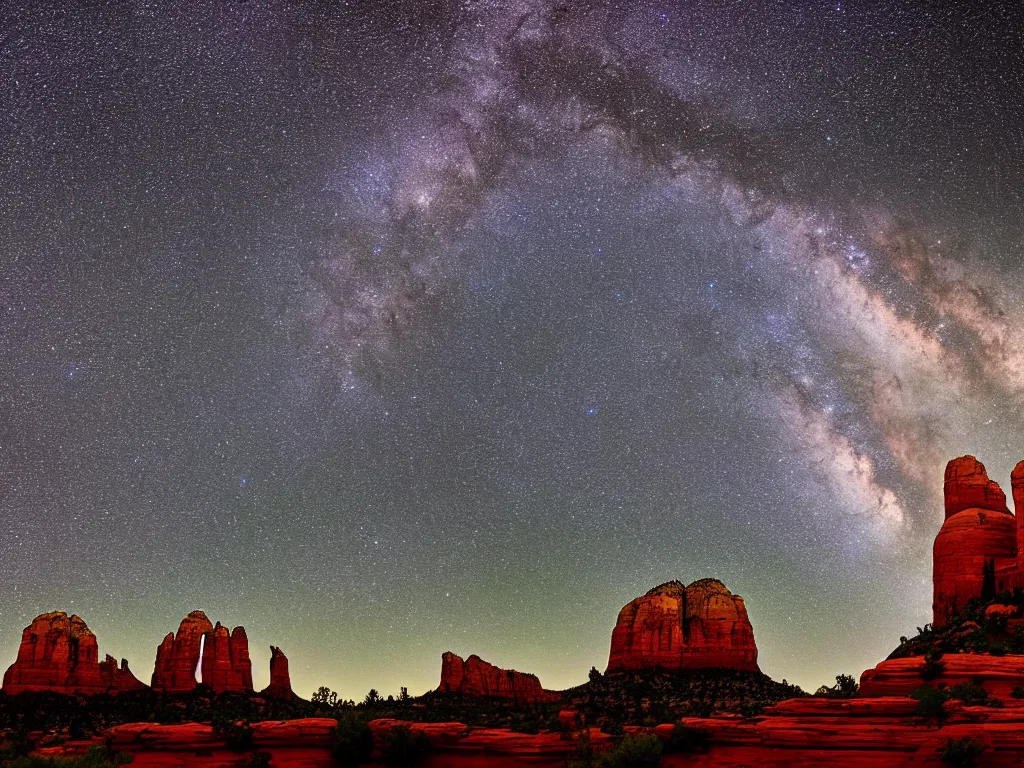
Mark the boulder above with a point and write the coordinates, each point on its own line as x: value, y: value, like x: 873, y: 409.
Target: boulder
x: 59, y: 653
x: 684, y: 627
x: 280, y: 682
x: 475, y: 677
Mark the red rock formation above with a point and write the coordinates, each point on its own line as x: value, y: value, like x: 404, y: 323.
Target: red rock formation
x: 226, y: 665
x: 968, y: 541
x: 280, y: 682
x: 118, y: 679
x: 967, y: 486
x: 58, y: 653
x: 676, y: 627
x: 998, y: 675
x: 475, y: 677
x: 1017, y: 490
x: 177, y: 657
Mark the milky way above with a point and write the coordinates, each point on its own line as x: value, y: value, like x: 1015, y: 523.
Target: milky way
x: 401, y: 328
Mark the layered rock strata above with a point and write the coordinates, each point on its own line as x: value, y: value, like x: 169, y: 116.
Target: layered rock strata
x: 475, y: 677
x: 684, y: 627
x: 60, y: 653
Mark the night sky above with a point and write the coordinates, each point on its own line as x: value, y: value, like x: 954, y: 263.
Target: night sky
x: 391, y: 328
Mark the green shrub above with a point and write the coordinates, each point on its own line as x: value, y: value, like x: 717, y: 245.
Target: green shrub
x: 929, y: 702
x: 401, y: 747
x: 353, y: 741
x: 257, y: 760
x: 686, y: 739
x: 961, y: 753
x: 1017, y: 692
x: 969, y: 693
x: 236, y: 735
x: 584, y: 755
x: 96, y: 757
x: 635, y: 751
x: 933, y: 666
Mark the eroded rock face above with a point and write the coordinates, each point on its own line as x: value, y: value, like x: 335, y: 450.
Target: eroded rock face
x: 225, y: 664
x: 969, y: 542
x: 684, y: 627
x: 177, y: 657
x: 280, y: 681
x: 60, y: 653
x: 966, y: 486
x: 118, y: 679
x: 475, y: 677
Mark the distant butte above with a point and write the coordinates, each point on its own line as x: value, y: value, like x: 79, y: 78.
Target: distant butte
x: 676, y: 627
x: 477, y: 678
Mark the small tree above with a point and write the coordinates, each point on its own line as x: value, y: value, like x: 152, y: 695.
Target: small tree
x: 372, y: 698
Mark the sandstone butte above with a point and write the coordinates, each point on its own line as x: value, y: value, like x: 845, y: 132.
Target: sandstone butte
x: 225, y: 664
x: 475, y: 677
x: 280, y: 681
x: 684, y: 627
x: 60, y: 654
x: 979, y: 534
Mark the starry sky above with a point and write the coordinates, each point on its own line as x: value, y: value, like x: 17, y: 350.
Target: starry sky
x: 396, y: 327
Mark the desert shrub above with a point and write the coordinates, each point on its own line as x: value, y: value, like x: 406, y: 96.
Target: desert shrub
x: 969, y: 693
x: 1017, y: 692
x: 96, y: 757
x: 997, y: 649
x: 929, y: 702
x: 257, y: 760
x: 237, y: 735
x: 637, y: 751
x: 933, y: 666
x: 961, y: 753
x: 401, y: 747
x: 685, y: 738
x: 353, y: 741
x: 584, y: 756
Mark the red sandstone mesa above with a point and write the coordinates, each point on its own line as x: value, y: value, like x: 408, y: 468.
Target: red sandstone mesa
x: 280, y: 682
x: 225, y: 657
x: 475, y: 677
x: 684, y: 627
x: 60, y: 654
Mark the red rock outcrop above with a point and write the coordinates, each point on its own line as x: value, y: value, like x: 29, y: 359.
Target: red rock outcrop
x: 684, y: 627
x: 998, y: 675
x: 966, y: 486
x: 280, y: 681
x: 475, y: 677
x: 177, y: 657
x: 225, y: 663
x: 58, y: 653
x: 118, y: 679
